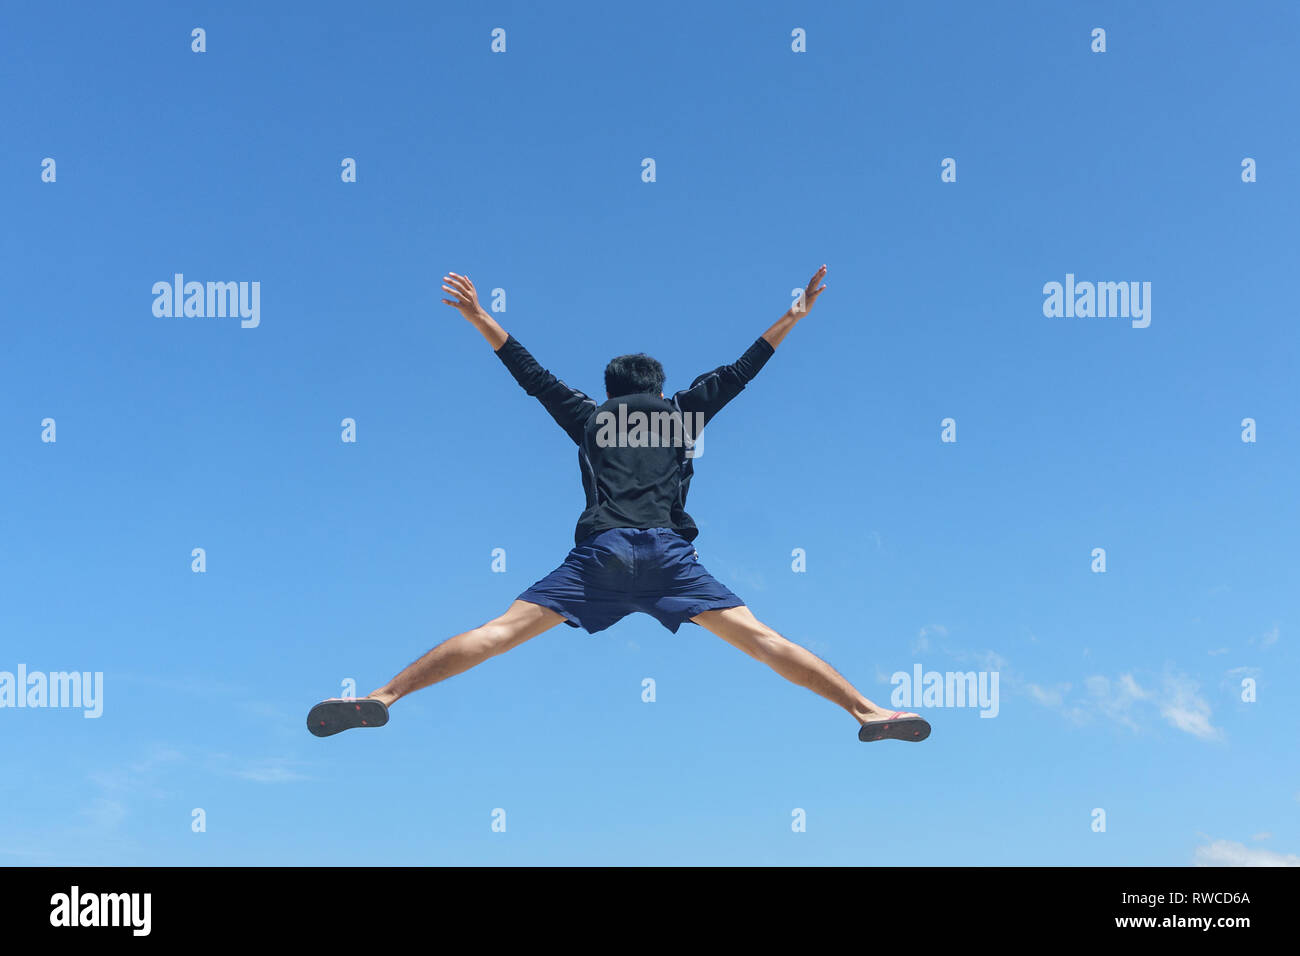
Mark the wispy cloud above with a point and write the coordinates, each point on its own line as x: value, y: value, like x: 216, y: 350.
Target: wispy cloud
x: 138, y: 776
x: 1268, y: 638
x: 1111, y: 699
x: 1233, y: 673
x: 1182, y: 706
x: 922, y: 642
x: 122, y: 789
x: 987, y: 659
x: 120, y: 785
x: 1122, y: 700
x: 1229, y: 853
x: 1048, y: 696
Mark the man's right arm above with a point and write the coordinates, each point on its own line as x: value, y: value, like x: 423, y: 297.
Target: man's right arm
x: 569, y: 407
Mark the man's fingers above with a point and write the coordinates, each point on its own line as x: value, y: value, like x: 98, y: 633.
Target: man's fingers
x: 462, y: 289
x: 463, y: 280
x: 812, y: 283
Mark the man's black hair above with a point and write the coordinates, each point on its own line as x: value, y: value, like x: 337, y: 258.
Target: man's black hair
x: 633, y: 374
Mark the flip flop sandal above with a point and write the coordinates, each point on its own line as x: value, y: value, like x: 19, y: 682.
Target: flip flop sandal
x: 343, y: 713
x: 895, y: 727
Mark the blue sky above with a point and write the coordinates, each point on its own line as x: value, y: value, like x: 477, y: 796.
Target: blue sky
x: 328, y: 560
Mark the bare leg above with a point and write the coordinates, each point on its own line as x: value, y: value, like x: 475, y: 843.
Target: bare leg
x: 738, y: 627
x: 458, y: 654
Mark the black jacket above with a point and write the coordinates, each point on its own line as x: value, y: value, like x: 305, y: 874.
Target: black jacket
x: 635, y: 451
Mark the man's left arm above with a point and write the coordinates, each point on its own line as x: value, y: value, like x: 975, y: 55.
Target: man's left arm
x: 710, y: 392
x: 782, y: 326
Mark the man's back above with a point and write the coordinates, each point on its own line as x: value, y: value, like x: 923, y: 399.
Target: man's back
x: 636, y: 467
x: 635, y: 451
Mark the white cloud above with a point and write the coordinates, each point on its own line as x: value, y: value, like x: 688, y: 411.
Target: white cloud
x: 1124, y: 701
x: 1183, y: 707
x: 1111, y: 699
x: 1048, y: 697
x: 988, y: 660
x: 1228, y: 853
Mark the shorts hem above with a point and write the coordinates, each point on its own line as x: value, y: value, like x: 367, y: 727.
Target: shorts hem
x: 718, y: 604
x: 569, y: 617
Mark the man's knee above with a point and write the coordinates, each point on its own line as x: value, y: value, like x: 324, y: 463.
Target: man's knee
x: 490, y: 638
x: 501, y: 633
x: 763, y: 642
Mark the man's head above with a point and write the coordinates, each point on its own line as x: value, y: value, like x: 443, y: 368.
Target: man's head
x: 634, y: 374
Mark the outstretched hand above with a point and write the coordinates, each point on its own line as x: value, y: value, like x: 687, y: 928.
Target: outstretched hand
x: 466, y: 297
x: 807, y: 297
x: 810, y: 293
x: 465, y: 301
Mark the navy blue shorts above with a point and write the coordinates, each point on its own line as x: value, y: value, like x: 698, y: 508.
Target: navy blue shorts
x: 613, y: 573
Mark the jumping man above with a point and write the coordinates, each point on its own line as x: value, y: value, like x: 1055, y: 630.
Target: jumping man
x: 633, y: 544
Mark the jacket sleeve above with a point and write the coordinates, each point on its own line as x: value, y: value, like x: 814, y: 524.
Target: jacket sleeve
x: 569, y: 407
x: 712, y: 390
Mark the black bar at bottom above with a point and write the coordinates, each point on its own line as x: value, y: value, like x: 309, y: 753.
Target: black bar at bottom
x: 360, y: 906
